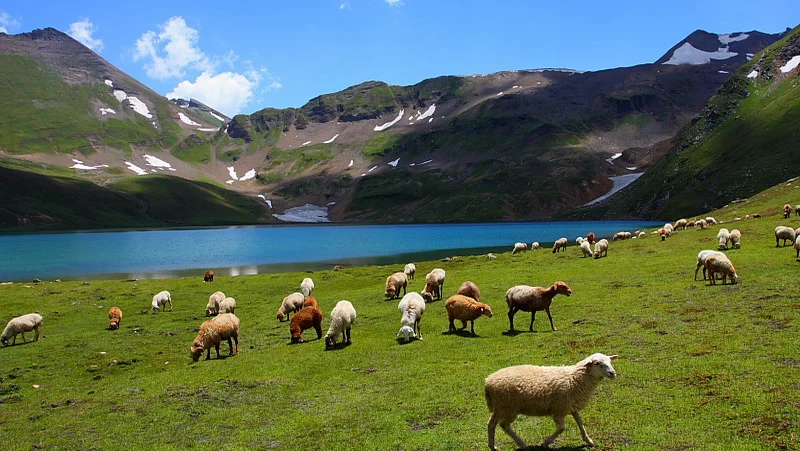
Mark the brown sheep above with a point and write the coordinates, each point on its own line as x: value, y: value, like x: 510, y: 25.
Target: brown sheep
x: 533, y: 299
x: 212, y: 332
x: 463, y: 308
x: 208, y: 276
x: 470, y: 290
x: 309, y: 316
x: 591, y: 238
x: 787, y: 211
x: 115, y: 317
x: 434, y: 282
x: 394, y: 283
x: 560, y: 244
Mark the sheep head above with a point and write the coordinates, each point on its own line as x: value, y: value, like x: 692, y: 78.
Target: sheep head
x: 390, y: 292
x: 330, y: 341
x: 114, y: 324
x: 599, y: 365
x: 281, y: 316
x: 427, y: 296
x: 486, y: 310
x: 562, y: 288
x: 196, y: 351
x: 407, y: 332
x: 5, y: 341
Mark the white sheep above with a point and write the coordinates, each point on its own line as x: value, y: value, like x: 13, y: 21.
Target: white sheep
x: 560, y: 244
x: 586, y: 248
x: 601, y: 248
x: 213, y: 303
x: 710, y: 220
x: 160, y: 300
x: 410, y: 269
x: 702, y: 224
x: 641, y: 234
x: 20, y: 325
x: 291, y: 303
x: 720, y: 264
x: 412, y: 306
x: 701, y: 261
x: 228, y: 305
x: 554, y: 391
x: 394, y: 283
x: 723, y: 236
x: 669, y: 227
x: 783, y: 233
x: 535, y: 246
x: 736, y: 239
x: 579, y: 240
x: 307, y: 286
x: 342, y: 317
x: 519, y: 247
x: 434, y: 283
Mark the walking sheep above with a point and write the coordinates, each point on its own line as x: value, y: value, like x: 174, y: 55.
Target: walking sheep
x: 212, y: 308
x: 723, y: 236
x: 736, y: 239
x: 601, y: 248
x: 519, y: 247
x: 307, y: 286
x: 212, y: 332
x: 462, y: 308
x: 290, y: 304
x: 20, y: 325
x: 208, y: 276
x: 720, y: 264
x: 228, y: 305
x: 586, y: 248
x: 783, y: 233
x: 533, y: 299
x: 410, y: 269
x: 554, y: 391
x: 412, y: 306
x: 701, y: 261
x: 560, y: 244
x: 114, y: 317
x: 160, y: 300
x: 310, y: 316
x: 434, y: 283
x: 469, y: 290
x: 394, y: 283
x: 342, y: 317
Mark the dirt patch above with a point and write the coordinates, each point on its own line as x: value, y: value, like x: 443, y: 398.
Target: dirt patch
x: 423, y: 423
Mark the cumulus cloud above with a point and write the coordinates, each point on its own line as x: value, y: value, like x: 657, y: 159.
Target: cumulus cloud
x: 7, y: 22
x: 170, y: 51
x: 228, y: 92
x: 83, y: 31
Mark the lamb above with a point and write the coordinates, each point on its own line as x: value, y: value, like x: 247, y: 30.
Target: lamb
x: 410, y: 269
x: 434, y: 283
x: 601, y: 248
x: 535, y: 246
x: 783, y: 233
x: 560, y: 244
x: 586, y: 248
x: 736, y: 239
x: 212, y: 332
x: 307, y: 286
x: 114, y: 317
x: 394, y: 283
x: 590, y: 237
x: 680, y: 224
x: 208, y: 276
x: 290, y: 304
x: 412, y: 306
x: 701, y: 261
x: 342, y: 317
x: 463, y: 308
x: 723, y: 236
x: 228, y: 305
x: 720, y: 264
x: 710, y: 220
x: 309, y: 316
x: 554, y: 391
x: 160, y: 300
x: 213, y: 303
x: 519, y: 247
x: 470, y: 290
x: 533, y: 299
x: 20, y: 325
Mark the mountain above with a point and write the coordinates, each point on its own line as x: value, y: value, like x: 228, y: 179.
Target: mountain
x: 742, y: 142
x: 512, y: 145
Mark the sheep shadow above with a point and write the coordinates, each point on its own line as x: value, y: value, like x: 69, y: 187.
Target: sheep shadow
x: 18, y: 343
x: 513, y: 332
x: 290, y: 343
x: 461, y: 333
x: 338, y: 346
x: 402, y: 341
x: 562, y: 448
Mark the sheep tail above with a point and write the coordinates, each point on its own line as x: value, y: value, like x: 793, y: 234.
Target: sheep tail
x: 488, y: 399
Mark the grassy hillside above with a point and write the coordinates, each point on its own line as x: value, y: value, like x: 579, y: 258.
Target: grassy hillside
x: 688, y: 350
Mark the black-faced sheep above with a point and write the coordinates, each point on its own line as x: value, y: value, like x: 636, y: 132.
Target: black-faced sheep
x: 465, y: 309
x: 394, y: 283
x: 434, y: 283
x: 310, y: 316
x: 212, y: 332
x: 212, y: 308
x: 470, y: 290
x: 342, y: 317
x: 290, y: 304
x: 20, y: 325
x: 411, y: 307
x: 114, y: 318
x: 160, y: 300
x: 560, y: 244
x: 533, y: 299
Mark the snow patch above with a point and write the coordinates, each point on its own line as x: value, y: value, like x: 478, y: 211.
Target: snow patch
x: 614, y: 157
x: 305, y: 213
x: 87, y: 168
x: 380, y: 128
x: 207, y: 129
x: 330, y: 203
x: 108, y: 82
x: 620, y: 182
x: 140, y: 107
x: 156, y: 162
x: 753, y: 74
x: 687, y: 54
x: 394, y: 163
x: 430, y: 120
x: 77, y: 161
x: 217, y: 116
x: 726, y: 39
x: 372, y: 169
x: 749, y: 56
x: 306, y: 143
x: 269, y: 202
x: 251, y: 174
x: 136, y: 169
x: 331, y: 140
x: 185, y: 119
x: 232, y: 172
x: 425, y: 162
x: 791, y: 64
x: 229, y: 182
x: 412, y: 164
x: 351, y: 163
x: 514, y: 87
x: 631, y: 168
x: 120, y: 95
x: 105, y: 111
x: 427, y: 113
x: 499, y: 93
x: 723, y: 72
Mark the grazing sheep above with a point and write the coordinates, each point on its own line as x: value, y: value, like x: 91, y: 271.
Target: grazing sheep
x: 20, y: 325
x: 342, y: 317
x: 601, y: 248
x: 309, y: 316
x: 797, y: 248
x: 784, y: 233
x: 533, y: 299
x: 586, y: 248
x: 410, y: 269
x: 701, y: 261
x: 554, y: 391
x: 535, y: 246
x: 621, y: 236
x: 787, y: 211
x: 720, y: 264
x: 434, y: 283
x: 307, y: 286
x: 590, y: 237
x: 710, y: 220
x: 560, y: 244
x: 394, y: 283
x: 212, y: 332
x: 736, y: 239
x: 208, y: 276
x: 228, y: 305
x: 290, y: 304
x: 723, y: 236
x: 702, y: 224
x: 796, y: 211
x: 691, y: 224
x: 519, y: 247
x: 470, y: 290
x: 579, y: 240
x: 114, y: 317
x: 680, y: 224
x: 213, y: 303
x: 641, y: 235
x: 463, y: 308
x: 412, y: 306
x: 662, y: 232
x: 160, y: 300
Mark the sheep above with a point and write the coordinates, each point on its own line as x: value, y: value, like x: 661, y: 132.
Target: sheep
x: 579, y: 240
x: 787, y: 211
x: 783, y: 233
x: 20, y: 325
x: 412, y: 306
x: 394, y: 283
x: 701, y: 261
x: 669, y: 227
x: 533, y: 299
x: 796, y: 211
x: 309, y: 316
x: 228, y: 305
x: 160, y: 300
x: 702, y: 224
x: 641, y: 235
x: 662, y: 232
x: 797, y: 232
x: 601, y: 248
x: 560, y: 244
x: 491, y: 256
x: 590, y: 237
x: 621, y: 236
x: 434, y: 283
x: 586, y: 248
x: 736, y: 239
x: 680, y: 224
x: 463, y: 308
x: 710, y: 220
x: 691, y: 224
x: 720, y: 264
x: 342, y: 317
x: 410, y: 269
x: 519, y: 247
x: 554, y: 391
x: 470, y: 290
x: 307, y: 286
x: 208, y: 276
x: 212, y: 332
x: 213, y: 303
x: 535, y: 246
x: 723, y: 236
x: 114, y: 317
x: 290, y: 304
x: 797, y: 248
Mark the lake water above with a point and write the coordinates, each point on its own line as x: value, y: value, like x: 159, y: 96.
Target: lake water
x: 251, y: 250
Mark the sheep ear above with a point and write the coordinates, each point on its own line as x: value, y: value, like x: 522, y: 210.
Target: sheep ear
x: 613, y: 357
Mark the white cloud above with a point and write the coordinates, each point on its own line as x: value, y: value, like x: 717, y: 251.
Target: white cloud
x: 168, y: 53
x: 344, y: 5
x: 82, y: 32
x: 227, y: 92
x: 7, y: 21
x: 275, y: 85
x: 395, y: 2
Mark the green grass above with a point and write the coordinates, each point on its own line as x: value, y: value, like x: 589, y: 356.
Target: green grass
x: 194, y: 149
x: 302, y: 158
x: 700, y: 367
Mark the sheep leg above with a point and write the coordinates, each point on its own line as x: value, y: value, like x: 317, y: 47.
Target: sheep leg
x: 318, y: 328
x: 39, y: 331
x: 472, y: 328
x: 230, y: 345
x: 533, y: 317
x: 452, y: 326
x: 492, y: 429
x: 507, y: 427
x: 585, y: 436
x: 559, y: 420
x: 463, y: 324
x: 216, y: 346
x: 24, y: 340
x: 552, y: 326
x: 236, y: 339
x: 695, y: 271
x: 511, y: 314
x: 418, y: 329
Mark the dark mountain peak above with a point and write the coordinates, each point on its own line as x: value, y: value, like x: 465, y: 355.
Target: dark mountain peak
x: 725, y: 49
x: 48, y: 34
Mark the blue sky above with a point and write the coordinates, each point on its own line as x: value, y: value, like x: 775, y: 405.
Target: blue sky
x: 243, y: 56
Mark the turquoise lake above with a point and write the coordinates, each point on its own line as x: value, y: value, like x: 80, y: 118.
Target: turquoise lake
x: 232, y: 251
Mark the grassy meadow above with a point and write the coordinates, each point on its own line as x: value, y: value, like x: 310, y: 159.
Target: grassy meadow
x: 701, y: 367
